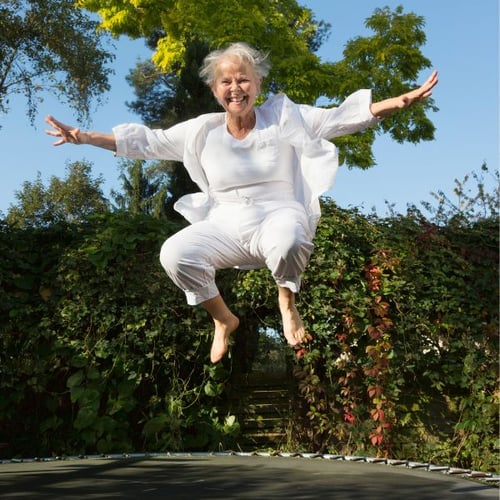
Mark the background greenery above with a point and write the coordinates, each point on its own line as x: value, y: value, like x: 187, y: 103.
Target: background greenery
x: 100, y: 353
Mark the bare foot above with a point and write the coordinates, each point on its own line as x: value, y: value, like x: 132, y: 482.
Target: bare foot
x: 223, y: 330
x: 293, y: 328
x: 225, y: 324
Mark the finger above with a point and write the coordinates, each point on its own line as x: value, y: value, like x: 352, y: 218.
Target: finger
x: 52, y: 121
x: 433, y: 79
x: 63, y: 137
x: 57, y: 124
x: 56, y: 132
x: 432, y: 76
x: 62, y: 140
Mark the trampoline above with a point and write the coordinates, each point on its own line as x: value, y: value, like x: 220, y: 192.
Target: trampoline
x: 238, y: 475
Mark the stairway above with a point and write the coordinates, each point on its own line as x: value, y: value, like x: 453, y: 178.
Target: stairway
x: 264, y: 409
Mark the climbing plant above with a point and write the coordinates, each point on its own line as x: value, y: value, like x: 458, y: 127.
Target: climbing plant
x: 100, y: 353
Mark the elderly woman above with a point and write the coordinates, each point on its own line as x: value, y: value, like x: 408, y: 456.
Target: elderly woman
x: 261, y: 171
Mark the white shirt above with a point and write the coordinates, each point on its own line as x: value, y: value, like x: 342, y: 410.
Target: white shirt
x: 217, y: 161
x: 258, y: 159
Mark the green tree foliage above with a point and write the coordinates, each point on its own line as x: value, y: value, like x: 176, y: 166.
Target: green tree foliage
x: 166, y: 98
x: 69, y: 200
x: 143, y: 192
x: 472, y: 204
x: 286, y: 29
x: 48, y: 45
x: 389, y: 61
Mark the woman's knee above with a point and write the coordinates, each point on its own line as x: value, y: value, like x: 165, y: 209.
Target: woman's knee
x: 187, y: 260
x: 187, y: 270
x: 180, y: 251
x: 291, y: 242
x: 289, y: 258
x: 295, y: 254
x: 170, y: 255
x: 297, y: 243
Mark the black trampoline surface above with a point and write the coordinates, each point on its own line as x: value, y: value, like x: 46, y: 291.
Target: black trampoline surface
x: 230, y: 476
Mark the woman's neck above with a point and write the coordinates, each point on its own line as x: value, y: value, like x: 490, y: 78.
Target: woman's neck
x: 240, y: 126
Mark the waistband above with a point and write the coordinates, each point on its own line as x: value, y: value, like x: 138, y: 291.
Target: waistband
x: 270, y: 191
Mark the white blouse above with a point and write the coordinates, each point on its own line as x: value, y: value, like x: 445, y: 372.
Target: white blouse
x: 258, y: 159
x: 289, y: 144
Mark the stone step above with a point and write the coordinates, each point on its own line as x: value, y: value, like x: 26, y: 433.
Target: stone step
x: 264, y: 413
x: 263, y: 422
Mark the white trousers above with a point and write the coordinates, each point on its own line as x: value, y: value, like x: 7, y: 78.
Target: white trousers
x: 239, y: 232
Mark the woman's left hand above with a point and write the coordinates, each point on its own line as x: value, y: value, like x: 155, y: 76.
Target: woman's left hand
x: 423, y: 92
x: 386, y: 107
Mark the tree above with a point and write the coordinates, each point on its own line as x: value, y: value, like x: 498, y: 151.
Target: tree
x: 143, y: 190
x: 51, y: 45
x: 472, y: 203
x: 69, y: 200
x: 165, y: 98
x: 285, y: 29
x: 389, y: 61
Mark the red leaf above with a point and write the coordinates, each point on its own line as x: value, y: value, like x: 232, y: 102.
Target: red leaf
x: 349, y: 417
x: 300, y: 352
x: 376, y: 439
x: 378, y: 415
x: 374, y: 391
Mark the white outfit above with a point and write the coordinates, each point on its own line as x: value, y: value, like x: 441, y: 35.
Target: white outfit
x: 259, y: 199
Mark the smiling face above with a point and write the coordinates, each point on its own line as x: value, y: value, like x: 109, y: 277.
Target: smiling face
x: 236, y: 86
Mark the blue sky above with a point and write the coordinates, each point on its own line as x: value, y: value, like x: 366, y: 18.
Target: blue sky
x: 462, y: 43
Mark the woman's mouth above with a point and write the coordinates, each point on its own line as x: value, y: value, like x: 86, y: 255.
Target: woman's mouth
x: 237, y: 99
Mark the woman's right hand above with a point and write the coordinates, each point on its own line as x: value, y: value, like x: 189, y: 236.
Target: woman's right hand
x: 66, y: 133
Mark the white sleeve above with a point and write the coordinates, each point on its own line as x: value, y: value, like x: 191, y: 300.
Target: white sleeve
x: 351, y: 116
x: 137, y: 141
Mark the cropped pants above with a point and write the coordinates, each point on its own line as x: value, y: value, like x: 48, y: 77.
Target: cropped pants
x: 239, y: 232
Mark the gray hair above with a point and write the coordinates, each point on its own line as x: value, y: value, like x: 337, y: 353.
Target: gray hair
x: 243, y: 52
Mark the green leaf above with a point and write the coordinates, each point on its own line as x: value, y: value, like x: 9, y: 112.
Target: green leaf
x: 86, y: 416
x: 155, y: 425
x: 75, y: 379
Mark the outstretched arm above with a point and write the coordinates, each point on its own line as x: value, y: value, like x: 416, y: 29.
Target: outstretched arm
x: 73, y: 135
x: 387, y: 106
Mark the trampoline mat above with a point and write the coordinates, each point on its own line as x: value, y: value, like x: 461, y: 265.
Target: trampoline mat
x: 230, y: 476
